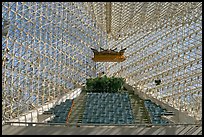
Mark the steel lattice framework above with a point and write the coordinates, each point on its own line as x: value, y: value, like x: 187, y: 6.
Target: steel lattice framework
x: 46, y: 50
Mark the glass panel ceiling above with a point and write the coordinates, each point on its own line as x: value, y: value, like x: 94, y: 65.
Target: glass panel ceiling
x: 46, y: 50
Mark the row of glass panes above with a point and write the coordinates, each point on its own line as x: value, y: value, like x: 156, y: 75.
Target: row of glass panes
x: 55, y: 52
x: 147, y: 52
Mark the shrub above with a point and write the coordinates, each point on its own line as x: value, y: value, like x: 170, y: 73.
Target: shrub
x: 104, y: 84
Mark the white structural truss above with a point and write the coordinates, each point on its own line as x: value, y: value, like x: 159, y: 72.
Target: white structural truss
x: 46, y: 50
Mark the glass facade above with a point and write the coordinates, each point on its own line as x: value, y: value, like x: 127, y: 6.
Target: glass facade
x: 46, y: 50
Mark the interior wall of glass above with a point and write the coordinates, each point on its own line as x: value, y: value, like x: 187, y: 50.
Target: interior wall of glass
x: 45, y: 52
x: 169, y: 49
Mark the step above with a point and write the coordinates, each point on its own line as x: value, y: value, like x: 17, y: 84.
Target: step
x: 78, y: 107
